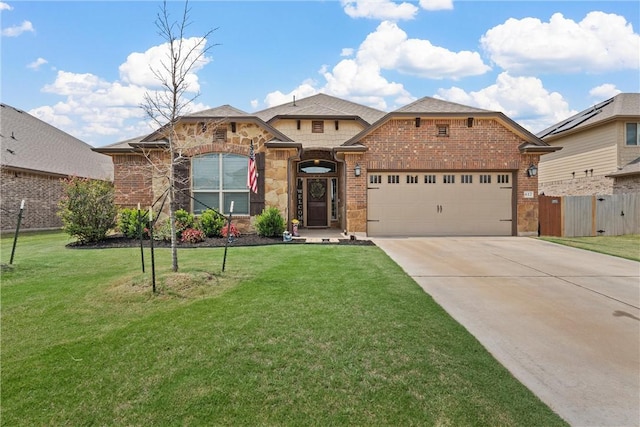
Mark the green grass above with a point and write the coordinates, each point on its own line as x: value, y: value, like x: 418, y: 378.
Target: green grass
x: 288, y: 335
x: 627, y: 246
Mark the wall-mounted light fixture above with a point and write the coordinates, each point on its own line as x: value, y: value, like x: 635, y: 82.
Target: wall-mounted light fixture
x: 357, y: 171
x: 532, y: 170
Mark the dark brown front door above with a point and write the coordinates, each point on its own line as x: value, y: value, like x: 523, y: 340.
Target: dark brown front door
x: 317, y: 202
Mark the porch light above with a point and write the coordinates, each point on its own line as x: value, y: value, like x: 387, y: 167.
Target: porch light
x: 357, y: 170
x: 532, y: 171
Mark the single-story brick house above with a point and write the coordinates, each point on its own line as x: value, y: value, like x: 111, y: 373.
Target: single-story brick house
x: 34, y: 158
x: 429, y: 168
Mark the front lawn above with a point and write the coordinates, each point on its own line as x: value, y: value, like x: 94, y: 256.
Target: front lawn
x: 288, y: 335
x: 627, y: 246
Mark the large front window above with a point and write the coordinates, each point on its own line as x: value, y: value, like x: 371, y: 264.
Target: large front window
x: 219, y: 179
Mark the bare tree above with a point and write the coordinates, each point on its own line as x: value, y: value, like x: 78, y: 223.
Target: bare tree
x: 166, y: 106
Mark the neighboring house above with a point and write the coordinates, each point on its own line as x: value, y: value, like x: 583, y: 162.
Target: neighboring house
x: 430, y: 168
x: 34, y: 157
x: 600, y: 150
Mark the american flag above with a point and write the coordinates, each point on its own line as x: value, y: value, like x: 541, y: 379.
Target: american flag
x: 252, y: 176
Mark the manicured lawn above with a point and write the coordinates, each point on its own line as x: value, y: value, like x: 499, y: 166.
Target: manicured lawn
x: 288, y: 335
x: 621, y: 246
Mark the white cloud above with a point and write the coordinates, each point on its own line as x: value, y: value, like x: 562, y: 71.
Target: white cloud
x: 95, y: 109
x: 436, y: 4
x: 5, y: 6
x: 603, y: 92
x: 17, y: 30
x: 37, y: 63
x: 379, y: 9
x: 361, y: 78
x: 600, y: 42
x: 139, y: 67
x: 73, y: 84
x: 347, y: 51
x: 523, y: 99
x: 278, y: 98
x: 390, y: 47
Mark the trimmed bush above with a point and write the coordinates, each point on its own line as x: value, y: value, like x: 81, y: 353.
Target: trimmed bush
x: 87, y: 209
x: 128, y: 223
x: 184, y: 220
x: 270, y: 223
x: 211, y: 223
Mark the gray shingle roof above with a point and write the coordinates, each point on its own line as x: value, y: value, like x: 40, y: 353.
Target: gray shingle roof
x: 621, y: 105
x: 319, y: 106
x: 28, y: 143
x: 221, y: 111
x: 434, y: 105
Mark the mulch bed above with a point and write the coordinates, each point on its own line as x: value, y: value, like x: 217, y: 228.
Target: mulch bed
x: 118, y: 241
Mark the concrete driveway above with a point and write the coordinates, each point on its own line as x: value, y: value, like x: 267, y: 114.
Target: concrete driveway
x: 564, y: 321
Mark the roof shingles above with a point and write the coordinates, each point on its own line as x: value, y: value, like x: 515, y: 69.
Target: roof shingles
x: 30, y: 144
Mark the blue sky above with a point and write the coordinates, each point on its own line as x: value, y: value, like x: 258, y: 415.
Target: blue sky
x: 82, y: 66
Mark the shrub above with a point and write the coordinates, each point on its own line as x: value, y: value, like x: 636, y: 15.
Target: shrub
x: 128, y: 222
x: 162, y: 230
x: 192, y: 235
x: 270, y: 223
x: 87, y: 208
x: 225, y: 230
x: 211, y: 223
x: 184, y: 220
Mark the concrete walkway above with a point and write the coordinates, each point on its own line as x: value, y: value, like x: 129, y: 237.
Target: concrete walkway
x: 564, y: 321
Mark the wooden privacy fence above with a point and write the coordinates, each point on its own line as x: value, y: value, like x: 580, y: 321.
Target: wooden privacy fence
x: 574, y: 216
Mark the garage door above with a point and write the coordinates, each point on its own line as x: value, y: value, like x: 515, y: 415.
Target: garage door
x: 439, y: 204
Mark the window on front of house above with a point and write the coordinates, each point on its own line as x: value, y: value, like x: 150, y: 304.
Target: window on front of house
x: 633, y: 134
x: 218, y: 179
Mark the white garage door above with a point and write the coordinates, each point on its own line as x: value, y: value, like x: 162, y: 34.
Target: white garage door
x: 439, y: 204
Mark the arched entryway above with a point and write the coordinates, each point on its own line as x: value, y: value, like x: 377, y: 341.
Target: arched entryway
x: 317, y: 195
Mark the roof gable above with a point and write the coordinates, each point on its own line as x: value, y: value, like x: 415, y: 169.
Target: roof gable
x: 31, y: 144
x: 221, y: 111
x: 434, y: 105
x: 321, y: 105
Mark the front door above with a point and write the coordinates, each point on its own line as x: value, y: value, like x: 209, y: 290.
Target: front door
x: 317, y: 202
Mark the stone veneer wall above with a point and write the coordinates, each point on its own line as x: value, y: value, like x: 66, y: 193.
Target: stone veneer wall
x: 400, y: 145
x: 277, y: 178
x: 41, y: 194
x: 589, y: 186
x: 626, y: 184
x: 143, y: 180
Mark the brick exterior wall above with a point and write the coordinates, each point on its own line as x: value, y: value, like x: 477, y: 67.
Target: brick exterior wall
x: 41, y: 194
x: 400, y: 145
